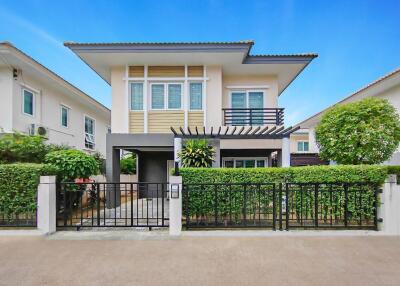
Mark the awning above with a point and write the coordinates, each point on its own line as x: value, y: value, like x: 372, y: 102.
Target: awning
x: 235, y: 132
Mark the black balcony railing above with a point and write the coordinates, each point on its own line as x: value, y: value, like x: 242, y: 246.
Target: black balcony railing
x: 253, y: 116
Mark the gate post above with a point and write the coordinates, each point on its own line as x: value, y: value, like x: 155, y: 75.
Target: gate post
x: 46, y: 204
x: 390, y: 205
x: 175, y: 205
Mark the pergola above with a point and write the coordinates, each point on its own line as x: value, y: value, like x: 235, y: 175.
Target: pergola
x: 236, y: 132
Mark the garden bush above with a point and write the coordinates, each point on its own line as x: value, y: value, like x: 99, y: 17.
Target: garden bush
x: 128, y: 165
x: 362, y: 132
x: 231, y: 198
x: 308, y: 174
x: 18, y: 187
x: 18, y: 147
x: 197, y: 153
x: 72, y: 164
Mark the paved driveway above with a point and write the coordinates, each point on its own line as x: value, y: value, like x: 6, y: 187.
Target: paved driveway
x: 189, y: 261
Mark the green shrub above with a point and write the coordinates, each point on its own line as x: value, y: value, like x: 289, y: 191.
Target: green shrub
x: 101, y: 162
x: 231, y: 198
x: 362, y: 132
x: 308, y: 174
x: 197, y: 153
x: 128, y: 165
x: 18, y: 187
x: 19, y: 147
x: 72, y: 164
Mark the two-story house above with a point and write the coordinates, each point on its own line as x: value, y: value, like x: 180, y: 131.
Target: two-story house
x: 35, y: 100
x: 163, y: 93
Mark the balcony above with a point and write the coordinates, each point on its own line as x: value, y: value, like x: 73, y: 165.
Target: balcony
x: 253, y: 116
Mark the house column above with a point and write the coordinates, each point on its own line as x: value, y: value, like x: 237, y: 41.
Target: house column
x: 113, y: 171
x: 286, y: 152
x: 217, y: 157
x: 177, y: 149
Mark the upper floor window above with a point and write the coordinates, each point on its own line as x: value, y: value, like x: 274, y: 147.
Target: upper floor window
x: 136, y: 96
x: 28, y: 102
x: 64, y: 116
x: 196, y: 96
x: 89, y: 133
x: 302, y: 146
x: 166, y: 96
x: 247, y: 99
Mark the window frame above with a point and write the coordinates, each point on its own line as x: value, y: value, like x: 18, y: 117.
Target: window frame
x: 255, y: 159
x: 130, y: 95
x: 302, y: 143
x: 166, y: 94
x: 68, y: 113
x: 247, y: 92
x: 202, y: 96
x: 85, y: 133
x: 33, y: 102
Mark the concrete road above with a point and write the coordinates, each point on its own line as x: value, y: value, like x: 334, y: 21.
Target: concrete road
x: 190, y: 261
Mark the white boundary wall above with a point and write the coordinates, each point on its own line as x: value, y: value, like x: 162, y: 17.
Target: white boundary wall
x: 389, y: 210
x: 46, y: 205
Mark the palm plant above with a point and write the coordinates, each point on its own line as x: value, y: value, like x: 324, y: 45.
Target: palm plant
x: 197, y: 153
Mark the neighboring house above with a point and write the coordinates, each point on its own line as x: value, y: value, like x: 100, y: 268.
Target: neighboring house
x: 165, y: 92
x: 35, y: 100
x: 387, y: 87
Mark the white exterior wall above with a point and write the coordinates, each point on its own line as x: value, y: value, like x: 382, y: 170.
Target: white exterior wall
x: 47, y: 113
x: 6, y: 85
x: 119, y: 110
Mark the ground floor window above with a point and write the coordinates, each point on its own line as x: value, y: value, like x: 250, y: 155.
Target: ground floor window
x: 239, y: 162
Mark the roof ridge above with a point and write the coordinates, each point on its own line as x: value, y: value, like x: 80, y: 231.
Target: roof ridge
x: 72, y: 43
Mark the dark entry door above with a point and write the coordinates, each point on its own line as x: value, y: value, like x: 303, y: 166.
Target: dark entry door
x: 153, y: 169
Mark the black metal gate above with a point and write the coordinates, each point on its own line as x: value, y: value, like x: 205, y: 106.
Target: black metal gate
x: 112, y: 205
x: 281, y: 206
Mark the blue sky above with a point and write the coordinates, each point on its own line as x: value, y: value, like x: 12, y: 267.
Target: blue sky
x: 357, y: 41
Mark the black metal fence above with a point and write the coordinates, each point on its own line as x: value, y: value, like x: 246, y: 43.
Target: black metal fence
x: 18, y: 220
x: 281, y: 206
x: 92, y: 205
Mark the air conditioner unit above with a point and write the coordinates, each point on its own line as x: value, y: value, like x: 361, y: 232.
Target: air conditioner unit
x: 38, y: 130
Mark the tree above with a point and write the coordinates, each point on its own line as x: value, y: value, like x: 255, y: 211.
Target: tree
x: 72, y: 164
x: 363, y: 132
x: 197, y: 153
x: 128, y: 164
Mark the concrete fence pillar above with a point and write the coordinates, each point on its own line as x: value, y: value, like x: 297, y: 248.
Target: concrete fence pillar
x: 175, y: 205
x: 177, y: 149
x: 46, y: 204
x: 286, y: 152
x: 389, y: 210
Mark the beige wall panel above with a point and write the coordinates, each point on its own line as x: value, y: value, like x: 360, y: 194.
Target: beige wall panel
x: 195, y: 118
x: 195, y: 71
x: 161, y: 121
x: 136, y: 122
x: 136, y: 71
x: 166, y: 71
x: 214, y: 96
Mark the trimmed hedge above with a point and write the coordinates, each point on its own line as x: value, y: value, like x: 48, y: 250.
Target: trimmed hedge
x: 309, y: 174
x: 202, y: 200
x: 18, y: 187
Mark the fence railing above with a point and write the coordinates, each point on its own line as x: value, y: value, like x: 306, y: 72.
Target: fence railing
x: 281, y: 206
x: 112, y: 205
x: 18, y: 220
x: 253, y: 116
